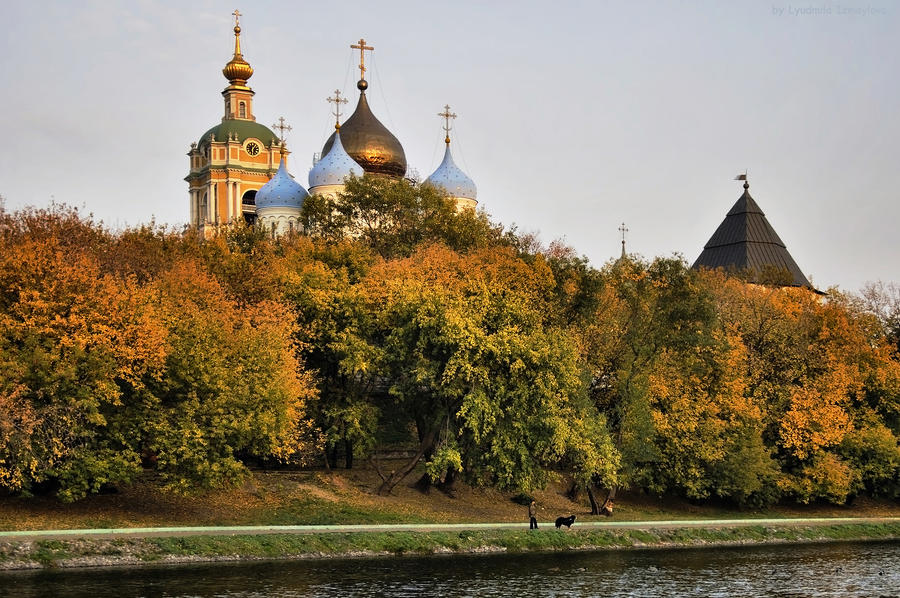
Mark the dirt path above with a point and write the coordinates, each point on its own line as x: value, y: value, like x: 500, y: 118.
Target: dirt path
x: 237, y: 530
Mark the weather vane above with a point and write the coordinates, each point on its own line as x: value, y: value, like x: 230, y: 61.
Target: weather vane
x: 282, y: 127
x: 362, y: 47
x: 447, y: 115
x: 337, y: 100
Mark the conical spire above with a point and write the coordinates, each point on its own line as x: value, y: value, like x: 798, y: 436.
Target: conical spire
x: 238, y: 70
x: 745, y: 241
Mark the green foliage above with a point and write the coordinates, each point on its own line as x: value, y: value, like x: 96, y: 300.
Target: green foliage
x: 875, y: 454
x: 231, y: 383
x: 466, y: 349
x: 446, y: 458
x: 394, y: 217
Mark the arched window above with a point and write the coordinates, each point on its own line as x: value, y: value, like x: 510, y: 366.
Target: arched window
x: 242, y: 110
x: 273, y: 229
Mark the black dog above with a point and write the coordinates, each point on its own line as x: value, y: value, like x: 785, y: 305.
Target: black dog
x: 567, y: 521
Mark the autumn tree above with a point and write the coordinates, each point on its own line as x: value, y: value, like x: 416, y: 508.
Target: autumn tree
x: 76, y: 347
x: 232, y: 383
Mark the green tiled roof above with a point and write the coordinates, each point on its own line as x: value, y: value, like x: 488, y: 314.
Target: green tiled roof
x: 245, y: 129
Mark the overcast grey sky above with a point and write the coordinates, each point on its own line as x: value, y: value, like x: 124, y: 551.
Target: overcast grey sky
x: 573, y: 116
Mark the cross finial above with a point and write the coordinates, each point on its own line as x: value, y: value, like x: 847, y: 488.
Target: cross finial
x: 623, y: 230
x: 362, y: 47
x: 282, y: 127
x: 237, y: 17
x: 447, y: 115
x: 337, y: 100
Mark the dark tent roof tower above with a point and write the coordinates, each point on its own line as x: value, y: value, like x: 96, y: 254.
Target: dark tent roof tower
x: 746, y: 242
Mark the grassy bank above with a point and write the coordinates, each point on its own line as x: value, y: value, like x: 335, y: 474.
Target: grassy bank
x: 119, y: 551
x: 347, y: 497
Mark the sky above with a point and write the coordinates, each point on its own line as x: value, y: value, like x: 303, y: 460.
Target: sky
x: 573, y: 117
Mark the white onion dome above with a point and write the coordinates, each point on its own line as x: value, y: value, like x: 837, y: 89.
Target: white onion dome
x: 451, y: 179
x: 335, y: 166
x: 282, y: 191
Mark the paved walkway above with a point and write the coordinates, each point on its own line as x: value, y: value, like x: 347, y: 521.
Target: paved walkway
x: 239, y: 530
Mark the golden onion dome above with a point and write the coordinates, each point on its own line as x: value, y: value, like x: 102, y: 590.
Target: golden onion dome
x: 369, y: 142
x: 238, y: 70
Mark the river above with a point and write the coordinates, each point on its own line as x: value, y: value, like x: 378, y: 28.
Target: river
x: 840, y: 569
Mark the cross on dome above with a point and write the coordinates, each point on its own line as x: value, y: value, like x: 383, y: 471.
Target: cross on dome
x: 237, y: 17
x: 623, y: 230
x: 282, y: 128
x: 362, y: 47
x: 337, y: 100
x: 447, y: 115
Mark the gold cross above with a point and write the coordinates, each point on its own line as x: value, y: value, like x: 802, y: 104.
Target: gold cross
x: 237, y: 16
x: 362, y: 47
x: 337, y: 100
x: 623, y: 230
x: 282, y: 127
x: 447, y: 116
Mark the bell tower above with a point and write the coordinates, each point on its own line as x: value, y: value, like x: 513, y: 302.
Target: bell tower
x: 235, y: 158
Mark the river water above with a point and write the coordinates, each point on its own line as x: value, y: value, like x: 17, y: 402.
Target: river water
x: 841, y: 569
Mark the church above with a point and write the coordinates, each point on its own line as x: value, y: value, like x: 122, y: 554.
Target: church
x: 239, y: 172
x: 239, y: 167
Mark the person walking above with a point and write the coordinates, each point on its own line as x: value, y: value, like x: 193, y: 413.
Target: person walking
x: 532, y: 516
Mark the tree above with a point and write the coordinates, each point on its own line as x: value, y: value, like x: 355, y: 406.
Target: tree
x: 491, y: 391
x: 882, y: 301
x: 394, y: 217
x: 76, y: 346
x: 232, y: 384
x: 321, y: 281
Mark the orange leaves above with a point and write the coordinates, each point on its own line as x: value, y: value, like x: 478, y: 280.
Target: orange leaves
x: 813, y: 422
x: 111, y: 347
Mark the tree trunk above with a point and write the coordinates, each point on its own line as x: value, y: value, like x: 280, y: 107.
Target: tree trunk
x: 595, y: 508
x: 348, y: 457
x: 607, y: 508
x: 423, y: 484
x: 448, y: 486
x: 574, y: 491
x: 396, y: 477
x: 332, y: 456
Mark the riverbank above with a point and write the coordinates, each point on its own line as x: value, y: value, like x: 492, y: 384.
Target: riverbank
x: 109, y: 551
x: 318, y: 514
x: 347, y: 497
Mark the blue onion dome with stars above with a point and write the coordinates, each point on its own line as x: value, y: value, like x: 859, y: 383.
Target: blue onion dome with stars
x: 282, y: 191
x: 448, y: 175
x: 451, y: 179
x: 335, y: 167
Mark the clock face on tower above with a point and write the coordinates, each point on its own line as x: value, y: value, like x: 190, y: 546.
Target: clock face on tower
x: 252, y: 148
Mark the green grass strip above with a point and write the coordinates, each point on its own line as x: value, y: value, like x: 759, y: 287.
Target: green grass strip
x: 112, y: 551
